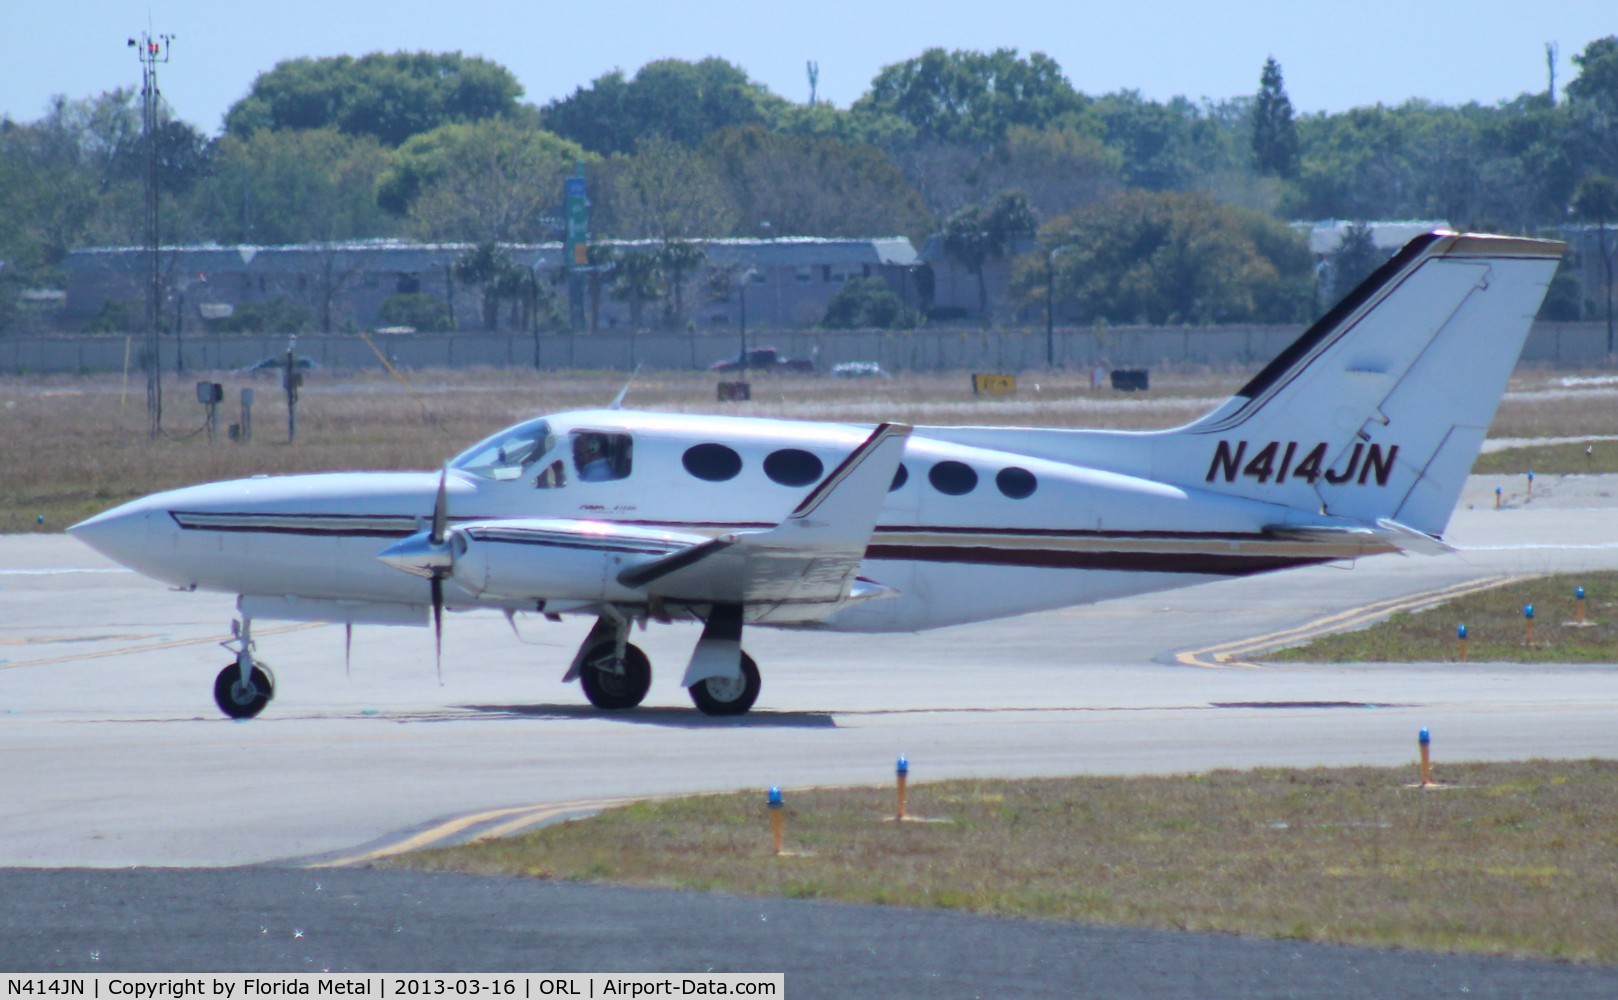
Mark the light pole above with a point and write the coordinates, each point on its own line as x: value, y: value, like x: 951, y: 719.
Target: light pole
x: 1050, y: 301
x: 747, y: 277
x: 180, y: 288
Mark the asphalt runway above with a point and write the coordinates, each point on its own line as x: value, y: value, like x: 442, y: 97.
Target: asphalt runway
x: 353, y: 920
x: 117, y: 756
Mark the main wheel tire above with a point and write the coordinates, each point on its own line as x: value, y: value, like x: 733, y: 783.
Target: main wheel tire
x: 727, y: 695
x: 242, y: 701
x: 611, y: 686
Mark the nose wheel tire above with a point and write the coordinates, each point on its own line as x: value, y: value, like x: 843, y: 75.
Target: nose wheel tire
x: 727, y: 695
x: 612, y: 685
x: 242, y: 701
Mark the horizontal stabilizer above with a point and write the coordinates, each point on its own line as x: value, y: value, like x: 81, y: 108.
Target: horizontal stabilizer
x: 1363, y: 539
x: 1412, y: 540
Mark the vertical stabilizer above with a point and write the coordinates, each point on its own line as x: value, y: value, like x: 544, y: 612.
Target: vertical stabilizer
x: 1379, y: 409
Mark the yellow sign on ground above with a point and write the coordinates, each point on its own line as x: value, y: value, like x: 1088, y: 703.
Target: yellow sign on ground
x: 991, y: 385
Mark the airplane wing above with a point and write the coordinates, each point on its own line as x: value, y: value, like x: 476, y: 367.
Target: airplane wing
x: 812, y: 557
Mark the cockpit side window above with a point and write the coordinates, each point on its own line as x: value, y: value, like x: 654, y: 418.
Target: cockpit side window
x: 514, y: 453
x: 600, y: 456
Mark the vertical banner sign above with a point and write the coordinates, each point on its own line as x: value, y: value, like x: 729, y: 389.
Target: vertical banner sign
x: 578, y: 221
x: 576, y: 216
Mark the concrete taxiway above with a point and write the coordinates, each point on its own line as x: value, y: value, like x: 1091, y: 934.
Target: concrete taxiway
x: 117, y: 756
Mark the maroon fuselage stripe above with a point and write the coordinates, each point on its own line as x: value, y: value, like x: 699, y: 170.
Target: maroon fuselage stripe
x: 1129, y: 562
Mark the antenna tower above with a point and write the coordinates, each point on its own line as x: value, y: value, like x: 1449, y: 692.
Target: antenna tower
x: 152, y: 51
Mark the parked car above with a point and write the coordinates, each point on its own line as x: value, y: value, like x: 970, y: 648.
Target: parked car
x: 275, y: 363
x: 766, y: 358
x: 859, y: 369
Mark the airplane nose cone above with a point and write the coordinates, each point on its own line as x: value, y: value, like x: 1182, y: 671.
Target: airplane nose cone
x: 122, y: 534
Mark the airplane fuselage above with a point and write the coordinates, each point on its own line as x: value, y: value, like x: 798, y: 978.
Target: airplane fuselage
x: 968, y: 533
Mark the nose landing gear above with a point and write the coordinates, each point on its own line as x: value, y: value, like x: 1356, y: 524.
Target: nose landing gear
x: 245, y: 686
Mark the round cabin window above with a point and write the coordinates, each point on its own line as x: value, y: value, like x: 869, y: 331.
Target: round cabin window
x: 953, y: 478
x: 1018, y: 484
x: 713, y: 462
x: 793, y: 467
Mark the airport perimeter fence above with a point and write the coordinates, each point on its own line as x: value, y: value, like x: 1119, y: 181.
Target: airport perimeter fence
x: 1564, y: 345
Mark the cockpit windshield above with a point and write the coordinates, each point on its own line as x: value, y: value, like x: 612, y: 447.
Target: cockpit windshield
x: 510, y: 453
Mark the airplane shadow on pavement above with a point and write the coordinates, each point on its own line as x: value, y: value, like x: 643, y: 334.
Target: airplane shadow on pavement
x: 678, y: 718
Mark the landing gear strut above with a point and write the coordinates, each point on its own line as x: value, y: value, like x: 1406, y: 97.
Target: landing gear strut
x: 245, y: 686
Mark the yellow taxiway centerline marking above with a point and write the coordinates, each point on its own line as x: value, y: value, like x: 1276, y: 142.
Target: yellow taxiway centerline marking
x: 525, y: 816
x: 1223, y: 655
x: 155, y: 646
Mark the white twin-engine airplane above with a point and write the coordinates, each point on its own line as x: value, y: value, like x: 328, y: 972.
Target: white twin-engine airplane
x: 1355, y: 440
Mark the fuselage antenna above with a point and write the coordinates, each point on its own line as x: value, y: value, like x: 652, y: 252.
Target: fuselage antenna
x: 618, y: 400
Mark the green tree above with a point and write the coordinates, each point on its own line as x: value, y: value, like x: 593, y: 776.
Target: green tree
x: 49, y: 203
x: 76, y: 177
x: 814, y: 186
x: 308, y: 186
x: 665, y: 191
x: 1159, y: 258
x: 1163, y: 147
x: 1597, y: 81
x: 1355, y: 166
x: 677, y: 259
x: 1353, y: 261
x: 416, y: 310
x: 868, y: 303
x: 971, y: 97
x: 1059, y: 168
x: 493, y: 180
x: 683, y: 102
x: 637, y: 279
x: 1275, y: 137
x: 980, y: 233
x: 387, y: 97
x: 489, y: 269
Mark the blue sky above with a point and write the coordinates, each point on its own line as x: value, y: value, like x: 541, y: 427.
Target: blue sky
x: 1334, y: 56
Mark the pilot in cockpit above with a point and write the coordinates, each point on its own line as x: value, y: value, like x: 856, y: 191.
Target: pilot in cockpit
x: 590, y: 458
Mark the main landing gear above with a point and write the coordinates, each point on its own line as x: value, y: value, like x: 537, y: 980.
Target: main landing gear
x: 727, y: 695
x: 615, y: 674
x: 615, y: 678
x: 245, y: 686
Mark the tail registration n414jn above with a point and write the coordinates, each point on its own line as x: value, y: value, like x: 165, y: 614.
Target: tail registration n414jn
x: 1278, y: 461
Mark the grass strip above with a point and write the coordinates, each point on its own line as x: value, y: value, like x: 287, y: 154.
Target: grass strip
x: 1514, y: 858
x: 1495, y: 624
x: 1566, y: 459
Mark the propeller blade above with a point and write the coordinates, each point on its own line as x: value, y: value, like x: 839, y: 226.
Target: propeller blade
x: 438, y: 626
x: 441, y: 508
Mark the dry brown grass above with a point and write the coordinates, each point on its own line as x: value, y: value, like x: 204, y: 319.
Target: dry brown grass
x: 1518, y: 858
x: 72, y: 446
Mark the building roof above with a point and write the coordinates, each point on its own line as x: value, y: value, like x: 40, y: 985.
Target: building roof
x: 396, y: 256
